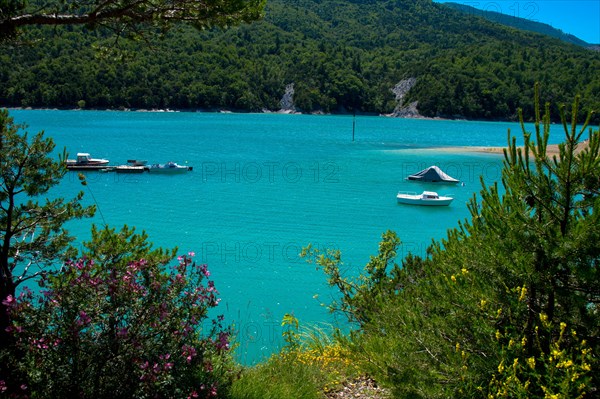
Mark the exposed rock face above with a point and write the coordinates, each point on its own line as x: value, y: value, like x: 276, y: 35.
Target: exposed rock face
x: 407, y: 111
x: 400, y: 90
x: 287, y: 101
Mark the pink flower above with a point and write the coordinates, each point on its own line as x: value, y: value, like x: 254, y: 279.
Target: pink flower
x: 9, y: 301
x: 40, y: 343
x: 84, y: 319
x: 223, y: 341
x: 14, y: 329
x: 204, y: 270
x: 188, y: 352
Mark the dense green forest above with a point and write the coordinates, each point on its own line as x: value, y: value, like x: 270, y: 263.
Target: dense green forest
x: 341, y: 56
x: 521, y: 23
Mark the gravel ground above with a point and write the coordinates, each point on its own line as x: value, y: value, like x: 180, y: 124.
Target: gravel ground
x: 362, y: 388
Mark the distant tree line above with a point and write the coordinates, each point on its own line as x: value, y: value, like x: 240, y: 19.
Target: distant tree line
x: 340, y: 57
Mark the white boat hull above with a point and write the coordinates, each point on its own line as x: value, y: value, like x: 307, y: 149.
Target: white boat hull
x: 424, y: 199
x: 168, y: 169
x: 85, y: 162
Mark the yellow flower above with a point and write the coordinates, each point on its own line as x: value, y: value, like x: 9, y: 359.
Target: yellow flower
x: 586, y: 367
x: 501, y: 367
x: 548, y: 395
x: 563, y: 326
x: 453, y: 278
x: 464, y: 271
x: 568, y: 363
x: 524, y: 342
x: 498, y: 334
x: 586, y: 351
x: 543, y: 317
x: 531, y: 362
x: 482, y: 303
x: 556, y: 353
x: 523, y: 293
x: 457, y: 346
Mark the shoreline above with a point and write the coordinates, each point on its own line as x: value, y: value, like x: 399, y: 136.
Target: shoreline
x: 263, y: 111
x: 551, y: 150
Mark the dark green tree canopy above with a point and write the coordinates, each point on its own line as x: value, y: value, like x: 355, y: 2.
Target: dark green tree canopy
x: 32, y: 237
x: 126, y: 15
x: 339, y: 57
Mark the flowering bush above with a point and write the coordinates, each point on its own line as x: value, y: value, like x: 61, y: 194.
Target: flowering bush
x: 561, y: 371
x: 120, y: 328
x: 314, y: 348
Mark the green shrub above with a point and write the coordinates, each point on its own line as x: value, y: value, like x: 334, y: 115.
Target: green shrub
x: 120, y: 323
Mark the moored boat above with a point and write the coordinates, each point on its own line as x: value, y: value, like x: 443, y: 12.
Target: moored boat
x: 432, y: 174
x: 130, y: 169
x: 168, y: 168
x: 85, y: 162
x: 428, y: 198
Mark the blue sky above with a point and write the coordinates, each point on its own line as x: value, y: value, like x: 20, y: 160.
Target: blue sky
x: 577, y: 17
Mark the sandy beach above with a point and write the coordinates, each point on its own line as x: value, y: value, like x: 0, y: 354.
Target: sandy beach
x: 551, y: 150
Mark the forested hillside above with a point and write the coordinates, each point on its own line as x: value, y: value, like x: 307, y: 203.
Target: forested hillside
x: 341, y: 56
x: 521, y: 23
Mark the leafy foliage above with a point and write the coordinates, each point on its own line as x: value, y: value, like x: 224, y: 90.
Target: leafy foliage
x: 32, y: 237
x: 487, y: 312
x: 111, y: 326
x: 311, y: 363
x: 341, y: 56
x: 126, y: 16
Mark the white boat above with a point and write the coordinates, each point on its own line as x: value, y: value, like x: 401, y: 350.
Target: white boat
x: 84, y: 162
x: 168, y: 168
x: 428, y: 198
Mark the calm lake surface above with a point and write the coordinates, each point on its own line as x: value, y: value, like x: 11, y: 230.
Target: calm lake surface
x: 264, y: 186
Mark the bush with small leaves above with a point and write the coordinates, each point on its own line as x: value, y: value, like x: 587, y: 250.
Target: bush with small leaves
x: 113, y: 327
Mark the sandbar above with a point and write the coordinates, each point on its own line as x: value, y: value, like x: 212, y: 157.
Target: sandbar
x: 551, y: 150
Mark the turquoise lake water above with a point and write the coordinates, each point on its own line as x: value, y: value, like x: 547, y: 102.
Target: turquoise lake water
x: 264, y: 186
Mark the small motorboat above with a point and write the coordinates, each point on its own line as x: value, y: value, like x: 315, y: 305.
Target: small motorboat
x: 132, y: 166
x: 428, y: 198
x: 130, y: 169
x: 85, y: 162
x: 168, y: 168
